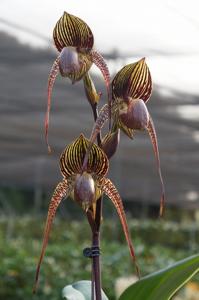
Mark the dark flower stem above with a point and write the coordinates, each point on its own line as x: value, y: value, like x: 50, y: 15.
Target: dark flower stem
x: 96, y: 267
x: 95, y: 227
x: 95, y: 115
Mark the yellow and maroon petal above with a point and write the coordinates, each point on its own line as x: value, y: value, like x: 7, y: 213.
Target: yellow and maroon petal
x: 134, y: 81
x: 72, y: 158
x: 71, y: 31
x: 154, y: 140
x: 51, y: 79
x: 110, y: 190
x: 61, y: 191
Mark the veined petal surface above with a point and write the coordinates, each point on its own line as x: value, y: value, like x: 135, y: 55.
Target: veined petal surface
x: 71, y: 31
x: 72, y: 158
x: 133, y: 80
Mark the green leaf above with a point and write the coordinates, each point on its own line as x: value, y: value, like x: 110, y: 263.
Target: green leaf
x: 165, y: 283
x: 80, y: 290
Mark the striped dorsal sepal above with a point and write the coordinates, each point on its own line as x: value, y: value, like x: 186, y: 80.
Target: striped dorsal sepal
x: 72, y: 159
x: 71, y: 31
x: 134, y: 81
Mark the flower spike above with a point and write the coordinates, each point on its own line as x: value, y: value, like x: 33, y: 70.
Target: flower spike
x: 153, y: 137
x: 60, y: 192
x: 110, y: 190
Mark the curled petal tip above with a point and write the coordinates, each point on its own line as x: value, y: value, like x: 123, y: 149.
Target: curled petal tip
x: 162, y: 206
x: 34, y: 290
x: 49, y: 150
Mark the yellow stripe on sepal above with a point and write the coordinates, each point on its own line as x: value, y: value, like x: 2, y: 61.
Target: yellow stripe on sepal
x: 133, y: 80
x: 71, y: 31
x: 71, y: 160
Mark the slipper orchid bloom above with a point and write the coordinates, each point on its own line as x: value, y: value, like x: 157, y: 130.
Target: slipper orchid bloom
x: 74, y: 40
x: 131, y: 89
x: 85, y: 187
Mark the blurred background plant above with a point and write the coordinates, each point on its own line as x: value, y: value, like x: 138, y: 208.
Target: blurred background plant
x: 28, y: 175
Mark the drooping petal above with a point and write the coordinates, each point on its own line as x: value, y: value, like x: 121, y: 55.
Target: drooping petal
x: 72, y: 158
x: 51, y: 79
x: 110, y: 190
x: 71, y: 31
x: 101, y: 120
x: 133, y: 80
x: 153, y: 136
x: 99, y: 61
x: 61, y: 191
x: 90, y: 90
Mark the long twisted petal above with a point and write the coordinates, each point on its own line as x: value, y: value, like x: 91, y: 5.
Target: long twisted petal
x: 60, y: 192
x: 153, y: 136
x: 110, y: 190
x: 98, y: 60
x: 51, y: 79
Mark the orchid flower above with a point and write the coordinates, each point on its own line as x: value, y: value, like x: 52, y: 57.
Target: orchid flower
x: 74, y: 40
x: 131, y: 89
x: 85, y: 187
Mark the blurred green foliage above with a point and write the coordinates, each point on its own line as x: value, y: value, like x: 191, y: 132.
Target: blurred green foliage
x: 157, y: 245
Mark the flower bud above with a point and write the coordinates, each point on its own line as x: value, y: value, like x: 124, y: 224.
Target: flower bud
x: 134, y: 114
x: 110, y: 143
x: 84, y: 190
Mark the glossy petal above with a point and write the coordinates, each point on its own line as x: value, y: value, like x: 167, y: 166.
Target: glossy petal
x: 85, y: 65
x: 136, y: 115
x: 133, y: 80
x: 52, y: 76
x: 72, y: 158
x: 84, y: 190
x: 71, y: 31
x: 60, y: 192
x: 69, y: 61
x: 153, y: 136
x: 110, y: 190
